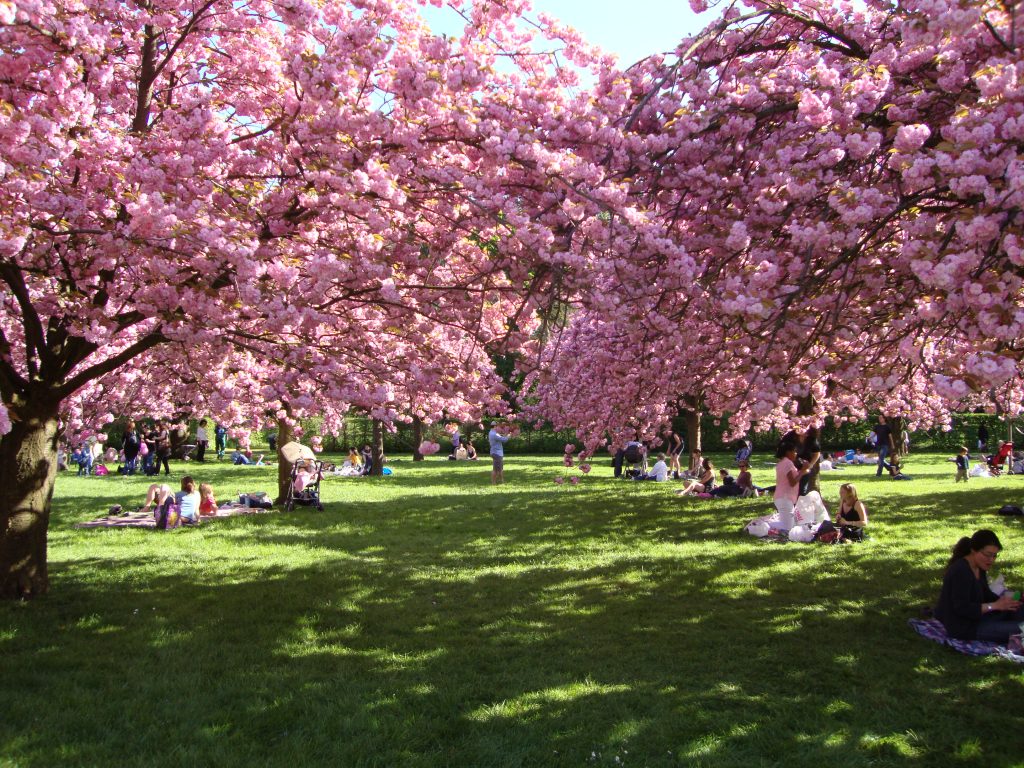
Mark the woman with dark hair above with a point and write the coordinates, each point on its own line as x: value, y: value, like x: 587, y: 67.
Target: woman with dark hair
x: 131, y: 444
x: 967, y: 608
x: 809, y: 453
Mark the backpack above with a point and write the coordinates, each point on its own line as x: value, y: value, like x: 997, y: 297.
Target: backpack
x: 167, y: 516
x: 827, y: 533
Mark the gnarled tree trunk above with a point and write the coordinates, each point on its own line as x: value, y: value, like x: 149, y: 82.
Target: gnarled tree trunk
x: 377, y: 449
x: 284, y: 467
x: 28, y: 468
x: 690, y: 410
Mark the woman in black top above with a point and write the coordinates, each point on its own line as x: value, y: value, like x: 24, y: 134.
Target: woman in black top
x: 130, y: 444
x: 852, y: 517
x: 809, y: 453
x: 163, y: 447
x: 967, y: 608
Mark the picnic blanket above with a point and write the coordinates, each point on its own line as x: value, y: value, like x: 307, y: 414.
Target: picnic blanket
x: 933, y: 630
x: 146, y: 520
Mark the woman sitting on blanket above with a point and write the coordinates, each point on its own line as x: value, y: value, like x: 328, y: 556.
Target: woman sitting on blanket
x: 967, y: 608
x: 852, y: 517
x: 188, y: 500
x: 703, y: 484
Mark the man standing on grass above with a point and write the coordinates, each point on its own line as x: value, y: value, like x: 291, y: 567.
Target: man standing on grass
x: 497, y: 441
x: 886, y: 446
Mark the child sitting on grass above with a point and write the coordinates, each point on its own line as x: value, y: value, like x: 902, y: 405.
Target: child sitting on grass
x: 207, y: 502
x: 896, y: 470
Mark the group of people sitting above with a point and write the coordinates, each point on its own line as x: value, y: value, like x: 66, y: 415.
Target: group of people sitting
x: 357, y: 463
x: 192, y: 501
x: 462, y: 452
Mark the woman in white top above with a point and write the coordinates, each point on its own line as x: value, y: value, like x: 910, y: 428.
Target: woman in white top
x: 188, y: 500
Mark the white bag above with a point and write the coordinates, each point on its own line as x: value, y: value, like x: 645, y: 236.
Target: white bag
x: 803, y: 534
x: 810, y: 509
x: 758, y: 528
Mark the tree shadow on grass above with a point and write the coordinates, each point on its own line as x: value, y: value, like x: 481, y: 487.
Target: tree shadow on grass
x: 471, y: 657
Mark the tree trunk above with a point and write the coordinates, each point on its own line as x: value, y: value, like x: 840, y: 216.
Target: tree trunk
x: 417, y: 438
x: 377, y: 449
x: 897, y: 424
x: 691, y: 414
x: 28, y: 466
x: 284, y: 468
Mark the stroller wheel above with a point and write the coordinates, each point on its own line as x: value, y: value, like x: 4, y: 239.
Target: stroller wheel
x: 319, y: 507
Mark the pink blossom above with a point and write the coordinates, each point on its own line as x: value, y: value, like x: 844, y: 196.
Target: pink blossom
x: 5, y: 420
x: 559, y: 480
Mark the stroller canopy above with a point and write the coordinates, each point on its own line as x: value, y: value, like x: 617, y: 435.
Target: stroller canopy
x: 293, y: 452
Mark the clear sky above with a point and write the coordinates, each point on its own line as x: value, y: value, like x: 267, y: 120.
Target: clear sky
x: 631, y: 28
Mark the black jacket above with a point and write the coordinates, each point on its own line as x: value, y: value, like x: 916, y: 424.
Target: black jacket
x: 959, y: 607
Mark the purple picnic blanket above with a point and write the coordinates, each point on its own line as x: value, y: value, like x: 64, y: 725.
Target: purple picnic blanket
x: 146, y: 519
x: 933, y: 630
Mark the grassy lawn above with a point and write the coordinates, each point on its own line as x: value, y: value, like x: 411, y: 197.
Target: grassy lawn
x: 427, y: 619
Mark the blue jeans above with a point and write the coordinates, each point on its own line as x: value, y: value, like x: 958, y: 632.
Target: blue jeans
x: 883, y: 451
x: 996, y: 627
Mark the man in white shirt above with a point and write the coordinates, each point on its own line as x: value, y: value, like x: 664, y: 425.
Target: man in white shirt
x: 497, y: 441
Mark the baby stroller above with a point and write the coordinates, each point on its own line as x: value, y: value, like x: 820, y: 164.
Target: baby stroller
x: 304, y: 482
x: 997, y: 460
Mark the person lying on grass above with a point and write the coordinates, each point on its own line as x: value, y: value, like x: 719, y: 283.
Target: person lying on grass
x: 967, y: 607
x: 157, y: 494
x: 245, y: 457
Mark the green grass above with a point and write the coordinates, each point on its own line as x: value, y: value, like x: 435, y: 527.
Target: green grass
x: 428, y: 619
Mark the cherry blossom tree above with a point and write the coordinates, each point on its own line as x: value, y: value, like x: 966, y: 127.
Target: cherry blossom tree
x: 846, y: 180
x: 254, y: 173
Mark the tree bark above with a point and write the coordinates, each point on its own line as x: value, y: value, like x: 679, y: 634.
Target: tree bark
x: 284, y: 467
x: 897, y: 424
x: 691, y: 413
x: 417, y: 438
x: 377, y: 449
x: 28, y: 466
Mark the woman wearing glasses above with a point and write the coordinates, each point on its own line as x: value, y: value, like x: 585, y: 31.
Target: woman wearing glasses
x: 967, y: 607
